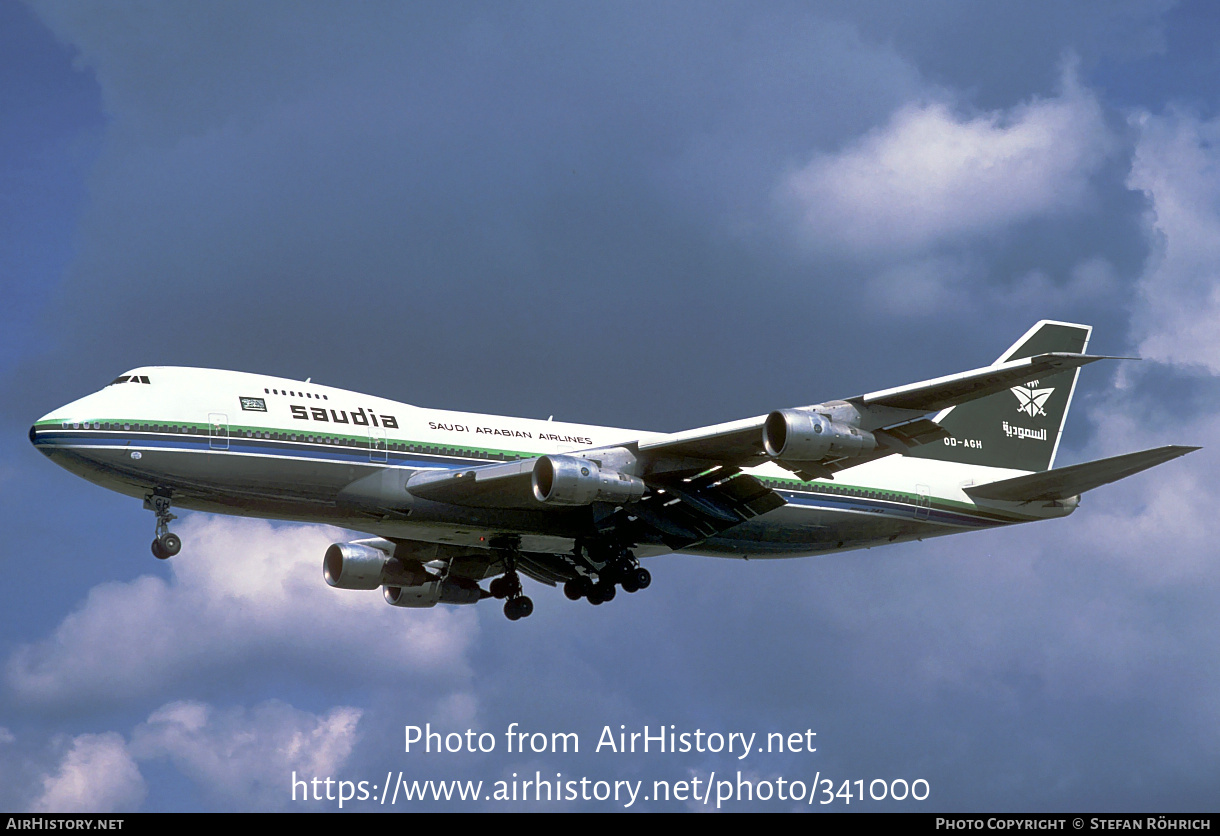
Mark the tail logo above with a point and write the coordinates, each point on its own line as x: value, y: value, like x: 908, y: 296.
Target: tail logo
x: 1032, y: 401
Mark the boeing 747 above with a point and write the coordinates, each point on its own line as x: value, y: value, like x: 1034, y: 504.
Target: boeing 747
x: 455, y: 499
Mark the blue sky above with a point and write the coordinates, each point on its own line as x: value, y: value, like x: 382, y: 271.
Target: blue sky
x: 656, y: 216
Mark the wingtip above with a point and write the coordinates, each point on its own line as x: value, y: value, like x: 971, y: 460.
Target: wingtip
x: 1176, y: 451
x: 1082, y: 358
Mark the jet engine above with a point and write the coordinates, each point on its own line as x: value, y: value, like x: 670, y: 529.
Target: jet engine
x: 569, y: 480
x: 797, y: 436
x: 361, y: 565
x: 354, y: 566
x: 433, y: 592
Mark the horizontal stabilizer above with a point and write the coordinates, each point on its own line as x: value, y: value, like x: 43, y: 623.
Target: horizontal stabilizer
x: 1063, y: 482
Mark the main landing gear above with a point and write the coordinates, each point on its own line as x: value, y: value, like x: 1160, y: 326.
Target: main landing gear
x: 621, y: 568
x: 507, y: 587
x: 166, y: 544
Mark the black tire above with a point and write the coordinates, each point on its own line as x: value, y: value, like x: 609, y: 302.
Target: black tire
x: 510, y: 609
x: 605, y: 591
x: 158, y: 550
x: 628, y: 583
x: 497, y: 589
x: 642, y: 578
x: 171, y: 543
x: 525, y: 607
x: 574, y: 589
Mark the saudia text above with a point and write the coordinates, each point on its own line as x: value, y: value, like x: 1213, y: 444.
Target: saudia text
x: 341, y: 416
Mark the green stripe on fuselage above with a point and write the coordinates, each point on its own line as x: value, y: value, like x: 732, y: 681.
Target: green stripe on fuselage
x: 361, y: 442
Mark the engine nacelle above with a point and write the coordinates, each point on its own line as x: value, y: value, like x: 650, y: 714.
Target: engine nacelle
x: 796, y: 436
x: 360, y: 565
x: 569, y: 480
x: 434, y: 592
x: 354, y: 566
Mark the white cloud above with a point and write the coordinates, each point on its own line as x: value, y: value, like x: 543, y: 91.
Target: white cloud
x: 1177, y: 165
x: 242, y: 758
x: 932, y: 174
x: 243, y: 593
x: 96, y: 775
x: 1158, y: 527
x: 247, y: 757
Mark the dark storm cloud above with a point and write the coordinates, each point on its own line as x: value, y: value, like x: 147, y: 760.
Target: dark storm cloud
x: 523, y: 190
x: 48, y: 141
x: 1001, y: 52
x: 518, y: 191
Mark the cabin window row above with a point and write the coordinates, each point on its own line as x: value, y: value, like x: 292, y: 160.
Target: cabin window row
x: 293, y: 394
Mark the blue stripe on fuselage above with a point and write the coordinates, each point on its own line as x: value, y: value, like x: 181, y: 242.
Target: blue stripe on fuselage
x: 278, y: 448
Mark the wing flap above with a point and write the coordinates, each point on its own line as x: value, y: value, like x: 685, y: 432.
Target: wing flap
x: 687, y: 511
x: 1052, y: 485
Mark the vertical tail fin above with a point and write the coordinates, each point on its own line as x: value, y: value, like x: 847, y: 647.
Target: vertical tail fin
x: 1019, y: 428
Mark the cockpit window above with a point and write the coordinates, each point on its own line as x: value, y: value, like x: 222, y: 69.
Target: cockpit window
x: 134, y: 378
x: 122, y: 379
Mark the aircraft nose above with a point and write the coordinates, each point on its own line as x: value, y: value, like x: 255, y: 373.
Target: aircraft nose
x: 39, y: 444
x: 39, y: 436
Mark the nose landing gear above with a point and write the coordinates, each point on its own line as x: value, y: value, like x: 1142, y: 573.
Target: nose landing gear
x: 166, y: 544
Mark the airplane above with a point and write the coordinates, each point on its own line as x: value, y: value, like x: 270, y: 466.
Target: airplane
x: 453, y: 499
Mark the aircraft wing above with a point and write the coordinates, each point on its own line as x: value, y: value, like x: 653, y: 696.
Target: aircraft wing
x: 895, y: 416
x: 499, y: 485
x: 695, y: 484
x: 680, y: 511
x: 944, y: 392
x: 1052, y: 485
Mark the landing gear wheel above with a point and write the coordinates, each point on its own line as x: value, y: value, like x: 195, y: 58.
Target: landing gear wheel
x: 628, y: 583
x: 508, y: 586
x: 167, y: 544
x: 605, y: 591
x: 515, y: 608
x: 574, y: 589
x: 642, y: 578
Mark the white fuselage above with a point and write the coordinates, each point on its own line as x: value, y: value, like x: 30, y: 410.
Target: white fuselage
x: 262, y: 446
